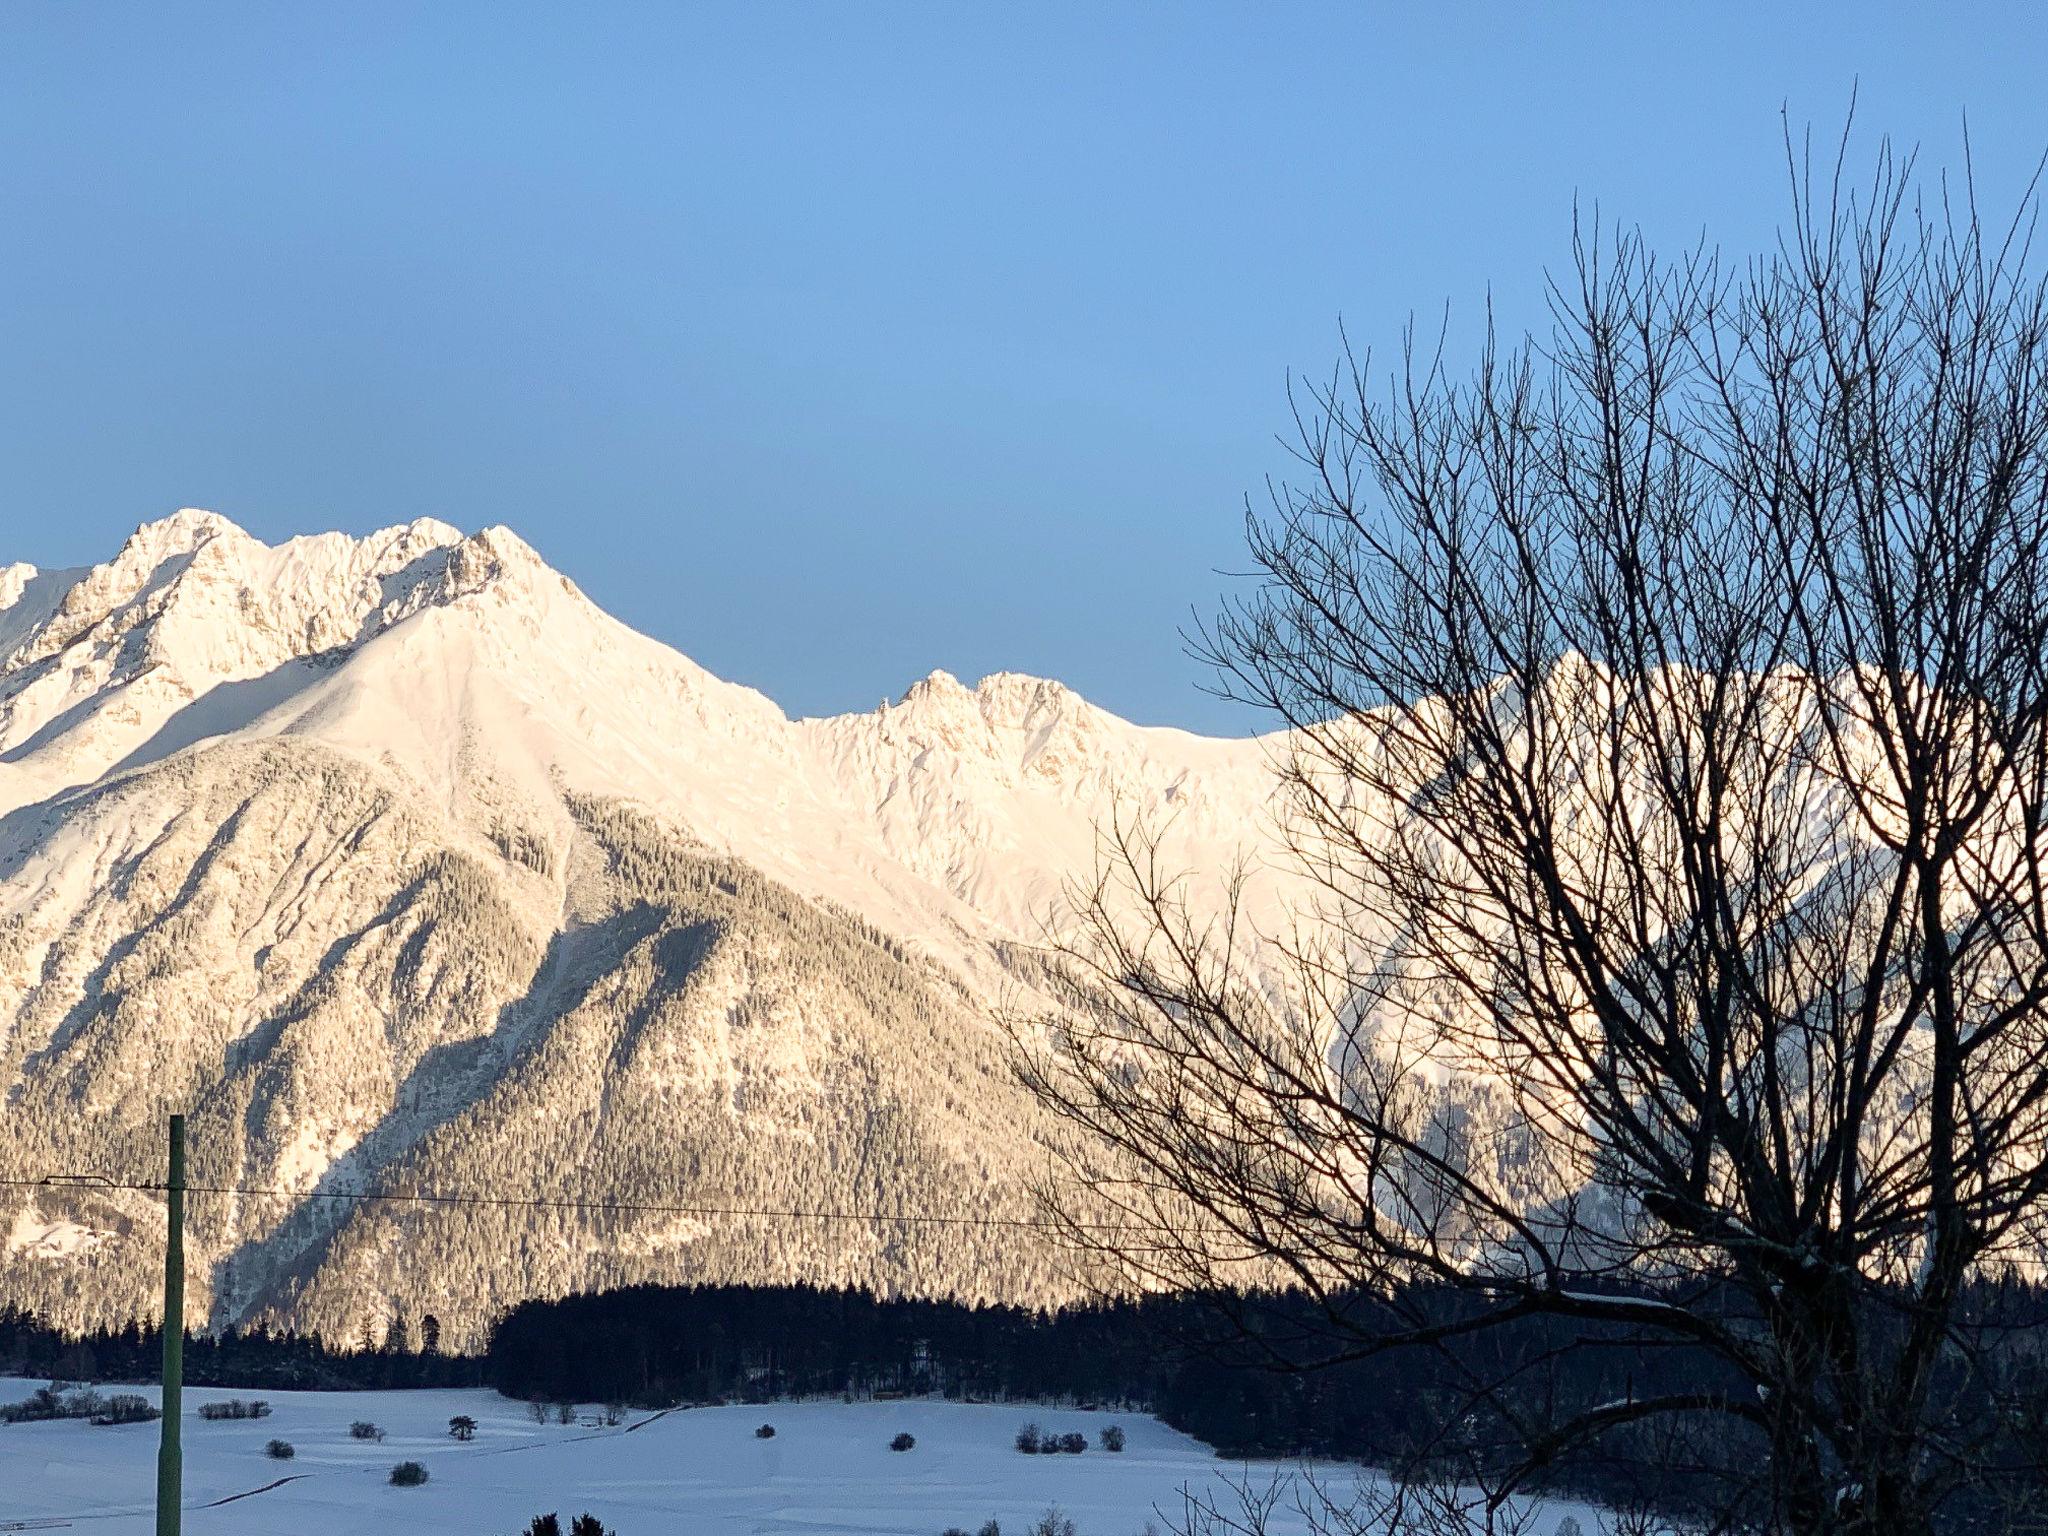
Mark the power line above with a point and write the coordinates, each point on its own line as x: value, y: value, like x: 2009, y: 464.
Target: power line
x: 553, y: 1202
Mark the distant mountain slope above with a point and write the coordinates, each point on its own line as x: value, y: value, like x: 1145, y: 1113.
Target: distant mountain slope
x: 400, y: 865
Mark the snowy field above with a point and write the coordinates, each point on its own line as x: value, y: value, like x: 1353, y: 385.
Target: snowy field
x: 690, y: 1472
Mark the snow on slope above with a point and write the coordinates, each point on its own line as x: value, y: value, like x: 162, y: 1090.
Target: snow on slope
x: 996, y: 793
x: 397, y: 858
x: 491, y: 681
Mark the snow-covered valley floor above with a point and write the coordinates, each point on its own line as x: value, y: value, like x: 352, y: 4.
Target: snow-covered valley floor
x: 690, y: 1472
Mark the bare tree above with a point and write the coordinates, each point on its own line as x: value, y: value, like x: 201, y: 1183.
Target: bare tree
x: 1665, y: 756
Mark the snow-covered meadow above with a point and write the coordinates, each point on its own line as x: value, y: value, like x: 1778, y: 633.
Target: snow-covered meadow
x: 700, y: 1471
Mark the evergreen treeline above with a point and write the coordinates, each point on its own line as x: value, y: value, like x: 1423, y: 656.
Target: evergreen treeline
x: 256, y: 1358
x: 1252, y: 1377
x: 1227, y: 1381
x: 1238, y: 1381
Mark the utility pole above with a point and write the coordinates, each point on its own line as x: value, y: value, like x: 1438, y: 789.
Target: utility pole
x: 170, y: 1460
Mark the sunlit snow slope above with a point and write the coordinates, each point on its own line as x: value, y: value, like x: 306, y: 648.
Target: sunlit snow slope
x: 398, y: 864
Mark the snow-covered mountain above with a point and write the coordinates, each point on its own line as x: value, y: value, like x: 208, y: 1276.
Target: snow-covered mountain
x: 399, y: 864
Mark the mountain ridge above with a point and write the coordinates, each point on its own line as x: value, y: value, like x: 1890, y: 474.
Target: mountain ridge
x: 395, y: 860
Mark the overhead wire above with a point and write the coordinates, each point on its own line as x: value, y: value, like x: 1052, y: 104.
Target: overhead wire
x: 96, y: 1181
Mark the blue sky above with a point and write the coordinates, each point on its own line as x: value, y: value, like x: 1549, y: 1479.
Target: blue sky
x: 833, y: 343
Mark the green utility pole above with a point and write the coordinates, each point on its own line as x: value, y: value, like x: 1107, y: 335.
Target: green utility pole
x: 170, y: 1460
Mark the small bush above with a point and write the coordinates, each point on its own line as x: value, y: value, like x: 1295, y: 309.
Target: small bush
x: 903, y: 1442
x: 537, y: 1411
x: 1053, y: 1523
x: 1113, y: 1438
x: 543, y: 1525
x: 363, y: 1429
x: 408, y: 1474
x: 462, y: 1427
x: 1073, y: 1442
x: 126, y: 1408
x: 588, y: 1525
x: 235, y: 1408
x: 1570, y: 1527
x: 52, y: 1402
x: 991, y: 1528
x: 565, y: 1413
x: 765, y: 1432
x: 279, y: 1450
x: 1029, y: 1441
x: 614, y: 1415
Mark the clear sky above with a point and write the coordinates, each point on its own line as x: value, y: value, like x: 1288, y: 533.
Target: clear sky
x: 834, y: 343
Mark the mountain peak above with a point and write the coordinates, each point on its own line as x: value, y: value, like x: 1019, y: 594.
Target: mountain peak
x: 1003, y: 698
x: 98, y: 664
x: 1015, y: 700
x: 497, y: 552
x: 937, y: 686
x: 181, y: 535
x: 379, y: 851
x: 186, y: 528
x: 429, y: 530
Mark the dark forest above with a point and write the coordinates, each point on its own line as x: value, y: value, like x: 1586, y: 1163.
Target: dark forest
x: 1251, y: 1376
